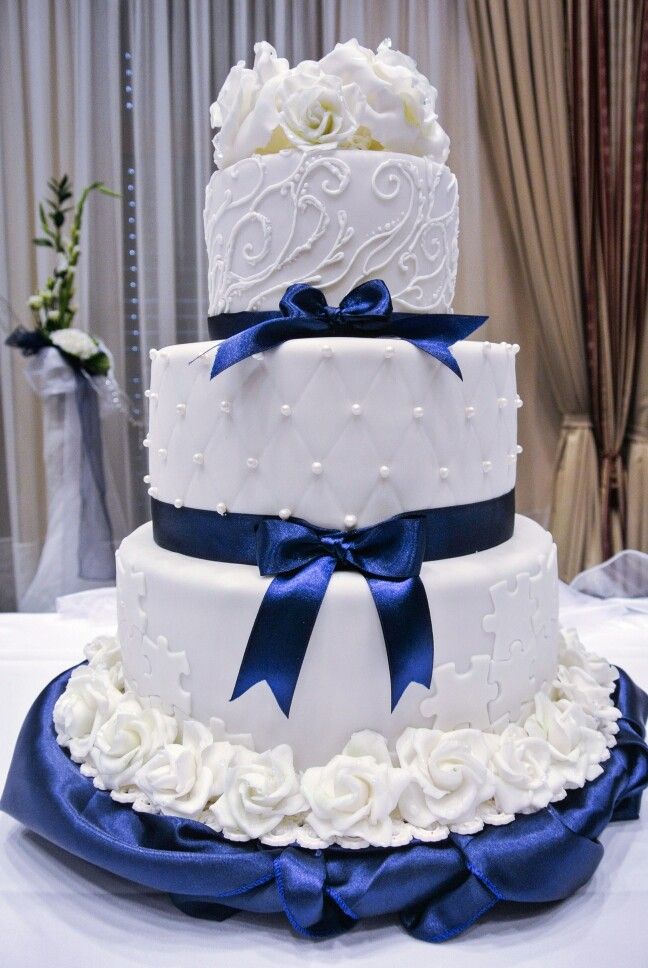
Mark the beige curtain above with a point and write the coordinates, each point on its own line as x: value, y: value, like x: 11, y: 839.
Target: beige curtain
x: 637, y: 462
x: 520, y: 56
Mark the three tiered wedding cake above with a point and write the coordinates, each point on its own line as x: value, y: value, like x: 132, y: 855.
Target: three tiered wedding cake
x: 336, y: 630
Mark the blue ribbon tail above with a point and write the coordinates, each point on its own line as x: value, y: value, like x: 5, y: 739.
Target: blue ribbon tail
x: 279, y: 638
x: 264, y: 336
x: 451, y: 328
x: 404, y: 614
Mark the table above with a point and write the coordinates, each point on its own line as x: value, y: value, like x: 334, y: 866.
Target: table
x: 56, y: 910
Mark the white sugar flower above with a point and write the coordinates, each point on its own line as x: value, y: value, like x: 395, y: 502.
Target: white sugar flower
x: 75, y: 342
x: 577, y: 747
x: 127, y: 741
x: 525, y: 775
x: 260, y: 790
x: 104, y: 654
x: 451, y: 774
x: 89, y: 700
x: 354, y: 795
x: 181, y: 777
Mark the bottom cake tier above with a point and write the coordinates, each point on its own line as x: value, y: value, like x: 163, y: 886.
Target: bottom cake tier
x: 184, y: 624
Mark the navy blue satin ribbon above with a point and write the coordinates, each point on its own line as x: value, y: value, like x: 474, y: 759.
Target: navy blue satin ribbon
x: 302, y: 558
x: 438, y: 890
x: 366, y: 311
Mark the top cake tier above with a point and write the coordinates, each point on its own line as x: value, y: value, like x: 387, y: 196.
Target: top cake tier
x: 331, y: 173
x: 332, y: 218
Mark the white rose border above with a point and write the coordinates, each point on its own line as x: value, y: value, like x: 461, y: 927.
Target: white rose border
x: 431, y: 784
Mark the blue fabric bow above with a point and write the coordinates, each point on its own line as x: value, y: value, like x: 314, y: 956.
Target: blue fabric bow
x: 365, y: 311
x: 438, y: 890
x: 303, y: 558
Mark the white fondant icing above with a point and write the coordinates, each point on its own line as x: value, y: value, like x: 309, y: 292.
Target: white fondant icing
x: 206, y: 610
x: 430, y: 783
x: 331, y: 218
x: 412, y: 422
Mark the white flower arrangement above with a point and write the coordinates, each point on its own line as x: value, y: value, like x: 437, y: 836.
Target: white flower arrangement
x: 431, y: 784
x: 352, y: 98
x: 75, y: 342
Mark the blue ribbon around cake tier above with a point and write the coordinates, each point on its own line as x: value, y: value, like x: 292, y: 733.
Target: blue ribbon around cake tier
x: 301, y: 559
x: 437, y: 889
x: 366, y: 312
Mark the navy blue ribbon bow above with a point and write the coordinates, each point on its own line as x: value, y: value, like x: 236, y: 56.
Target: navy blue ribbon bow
x: 366, y: 311
x: 303, y: 558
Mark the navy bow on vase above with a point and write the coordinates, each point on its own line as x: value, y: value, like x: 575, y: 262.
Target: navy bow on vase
x: 302, y: 560
x: 366, y: 312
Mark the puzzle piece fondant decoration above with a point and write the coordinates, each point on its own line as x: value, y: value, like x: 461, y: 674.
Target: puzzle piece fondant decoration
x: 131, y: 589
x: 136, y: 665
x: 461, y: 698
x: 512, y: 617
x: 544, y: 589
x: 515, y: 678
x: 165, y: 668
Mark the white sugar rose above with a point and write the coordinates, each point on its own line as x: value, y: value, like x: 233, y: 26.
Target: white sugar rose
x: 89, y: 700
x: 354, y: 795
x: 181, y: 777
x: 577, y: 685
x: 75, y: 342
x: 127, y: 741
x: 314, y: 109
x: 260, y: 790
x: 451, y: 776
x: 104, y: 654
x: 397, y: 107
x: 524, y: 772
x: 577, y: 747
x: 574, y: 655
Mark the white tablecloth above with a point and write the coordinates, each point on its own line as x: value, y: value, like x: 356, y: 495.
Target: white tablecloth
x: 58, y: 911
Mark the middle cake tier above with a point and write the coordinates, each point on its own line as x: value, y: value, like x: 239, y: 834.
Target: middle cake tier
x: 184, y: 624
x: 340, y: 432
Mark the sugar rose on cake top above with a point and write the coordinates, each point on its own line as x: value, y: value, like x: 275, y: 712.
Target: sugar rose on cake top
x: 351, y: 98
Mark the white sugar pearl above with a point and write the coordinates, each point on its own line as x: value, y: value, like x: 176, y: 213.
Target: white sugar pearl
x: 284, y: 514
x: 518, y: 449
x: 327, y: 350
x: 519, y: 402
x: 199, y: 458
x: 146, y: 442
x: 384, y: 472
x: 147, y: 478
x: 286, y: 410
x: 181, y: 409
x: 221, y: 508
x: 152, y: 354
x: 178, y: 502
x: 356, y: 409
x: 316, y: 467
x: 252, y: 463
x: 470, y: 412
x: 162, y: 451
x: 350, y: 520
x: 257, y: 356
x: 225, y: 406
x: 147, y: 394
x: 153, y: 491
x: 389, y: 351
x: 417, y: 412
x: 443, y: 473
x: 487, y: 465
x: 515, y: 348
x: 501, y: 402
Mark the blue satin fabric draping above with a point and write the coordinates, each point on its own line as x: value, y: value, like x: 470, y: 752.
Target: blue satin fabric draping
x: 366, y: 311
x: 438, y: 890
x: 302, y: 558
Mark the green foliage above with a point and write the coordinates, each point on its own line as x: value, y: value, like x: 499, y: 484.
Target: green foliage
x: 53, y: 306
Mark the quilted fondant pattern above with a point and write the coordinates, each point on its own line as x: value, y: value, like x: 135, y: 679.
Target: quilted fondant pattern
x: 336, y: 429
